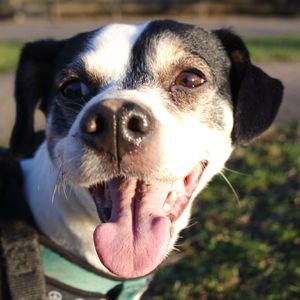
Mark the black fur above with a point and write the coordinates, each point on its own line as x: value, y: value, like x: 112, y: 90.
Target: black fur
x: 12, y: 203
x: 33, y: 84
x: 40, y: 61
x: 256, y: 96
x: 139, y: 72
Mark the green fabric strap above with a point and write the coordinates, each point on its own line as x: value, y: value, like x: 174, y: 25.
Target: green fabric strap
x: 59, y: 268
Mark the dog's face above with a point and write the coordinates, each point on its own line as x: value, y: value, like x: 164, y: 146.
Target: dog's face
x: 142, y: 116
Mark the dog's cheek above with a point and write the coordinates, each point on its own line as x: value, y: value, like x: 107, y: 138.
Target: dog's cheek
x: 66, y: 157
x: 218, y: 145
x: 212, y: 144
x: 180, y: 146
x: 194, y: 137
x: 78, y: 164
x: 216, y: 119
x: 57, y: 127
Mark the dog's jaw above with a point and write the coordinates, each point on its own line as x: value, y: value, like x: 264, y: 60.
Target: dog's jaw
x: 140, y: 220
x: 151, y: 201
x: 68, y: 214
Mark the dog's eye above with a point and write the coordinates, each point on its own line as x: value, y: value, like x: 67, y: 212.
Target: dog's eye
x: 190, y: 79
x: 74, y: 89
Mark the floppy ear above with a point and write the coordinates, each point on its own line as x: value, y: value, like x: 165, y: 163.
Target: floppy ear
x: 256, y: 96
x: 32, y: 87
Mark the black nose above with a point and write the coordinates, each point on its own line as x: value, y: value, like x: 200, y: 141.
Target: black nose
x: 116, y: 126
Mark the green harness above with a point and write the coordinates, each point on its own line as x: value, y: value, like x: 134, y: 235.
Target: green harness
x: 62, y: 270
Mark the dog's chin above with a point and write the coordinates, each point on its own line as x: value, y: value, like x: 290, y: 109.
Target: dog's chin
x: 137, y: 218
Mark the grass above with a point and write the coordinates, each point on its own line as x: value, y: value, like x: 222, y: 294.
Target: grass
x: 269, y: 49
x: 9, y: 54
x: 246, y: 249
x: 263, y: 49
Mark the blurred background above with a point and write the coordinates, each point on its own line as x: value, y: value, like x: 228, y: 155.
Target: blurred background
x: 244, y: 238
x: 92, y: 8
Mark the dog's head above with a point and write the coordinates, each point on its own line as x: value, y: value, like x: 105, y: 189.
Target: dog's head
x: 142, y: 116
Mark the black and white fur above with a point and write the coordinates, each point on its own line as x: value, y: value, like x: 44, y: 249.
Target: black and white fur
x: 138, y: 64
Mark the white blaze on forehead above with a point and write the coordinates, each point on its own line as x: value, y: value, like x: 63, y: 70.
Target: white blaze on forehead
x: 168, y: 50
x: 109, y: 51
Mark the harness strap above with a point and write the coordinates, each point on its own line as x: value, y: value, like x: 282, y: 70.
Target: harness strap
x: 21, y: 253
x: 66, y: 272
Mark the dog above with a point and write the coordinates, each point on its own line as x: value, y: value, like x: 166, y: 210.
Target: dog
x: 139, y: 118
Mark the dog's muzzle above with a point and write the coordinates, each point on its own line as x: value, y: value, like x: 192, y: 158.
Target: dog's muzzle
x: 137, y: 210
x: 117, y: 127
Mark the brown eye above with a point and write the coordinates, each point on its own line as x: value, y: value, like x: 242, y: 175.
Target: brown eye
x: 190, y: 79
x: 73, y: 89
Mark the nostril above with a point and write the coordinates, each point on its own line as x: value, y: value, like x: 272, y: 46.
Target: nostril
x: 92, y: 125
x: 138, y: 124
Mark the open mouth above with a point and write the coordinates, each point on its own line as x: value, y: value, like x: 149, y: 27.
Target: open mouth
x: 137, y: 220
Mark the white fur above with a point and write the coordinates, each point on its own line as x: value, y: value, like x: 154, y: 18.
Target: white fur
x: 108, y: 52
x: 168, y: 50
x: 65, y: 213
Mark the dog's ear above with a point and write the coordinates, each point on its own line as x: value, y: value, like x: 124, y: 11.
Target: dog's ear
x: 32, y: 86
x: 256, y: 96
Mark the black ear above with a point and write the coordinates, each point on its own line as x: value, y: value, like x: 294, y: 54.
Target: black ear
x: 32, y: 87
x: 256, y: 96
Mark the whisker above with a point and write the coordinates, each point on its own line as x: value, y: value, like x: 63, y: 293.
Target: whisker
x: 54, y: 193
x: 192, y: 224
x: 67, y: 106
x: 57, y: 184
x: 61, y: 181
x: 174, y: 248
x: 65, y: 190
x: 231, y: 187
x: 236, y: 172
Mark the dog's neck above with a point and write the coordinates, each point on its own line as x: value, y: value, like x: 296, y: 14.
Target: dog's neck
x: 65, y: 213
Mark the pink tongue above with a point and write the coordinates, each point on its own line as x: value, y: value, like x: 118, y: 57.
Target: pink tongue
x: 135, y: 240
